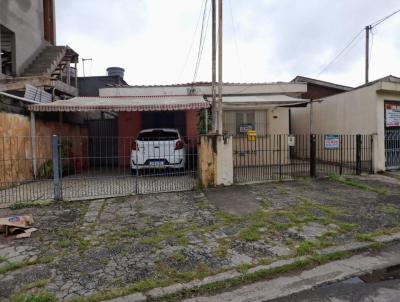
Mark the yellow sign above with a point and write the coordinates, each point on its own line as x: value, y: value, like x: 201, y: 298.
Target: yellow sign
x: 251, y: 136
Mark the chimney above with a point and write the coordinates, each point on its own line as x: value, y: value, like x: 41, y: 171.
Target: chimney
x: 116, y: 71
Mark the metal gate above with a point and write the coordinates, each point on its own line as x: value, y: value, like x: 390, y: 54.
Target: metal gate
x: 392, y: 148
x: 283, y: 156
x: 67, y: 168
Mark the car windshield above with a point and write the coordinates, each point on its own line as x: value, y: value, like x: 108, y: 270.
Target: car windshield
x: 158, y: 135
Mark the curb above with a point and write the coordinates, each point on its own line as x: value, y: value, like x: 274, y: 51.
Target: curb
x: 163, y: 292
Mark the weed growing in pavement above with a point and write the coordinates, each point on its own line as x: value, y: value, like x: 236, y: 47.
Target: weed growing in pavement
x: 358, y: 185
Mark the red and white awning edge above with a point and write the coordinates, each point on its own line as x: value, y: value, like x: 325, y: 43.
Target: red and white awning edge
x: 124, y: 104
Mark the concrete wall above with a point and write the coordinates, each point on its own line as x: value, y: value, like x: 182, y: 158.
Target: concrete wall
x: 25, y: 19
x: 16, y: 145
x: 360, y: 111
x: 215, y: 161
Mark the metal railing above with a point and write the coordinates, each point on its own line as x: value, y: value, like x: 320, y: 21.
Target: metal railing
x: 283, y: 156
x: 392, y: 148
x: 89, y: 167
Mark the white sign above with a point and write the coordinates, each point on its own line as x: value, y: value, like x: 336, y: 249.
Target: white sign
x: 332, y: 142
x: 291, y: 141
x: 245, y: 127
x: 392, y: 115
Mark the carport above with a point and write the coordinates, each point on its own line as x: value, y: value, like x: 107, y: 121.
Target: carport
x: 136, y: 113
x: 108, y: 173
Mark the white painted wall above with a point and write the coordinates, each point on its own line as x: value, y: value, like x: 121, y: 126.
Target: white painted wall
x: 360, y: 111
x: 224, y: 162
x: 271, y: 88
x: 25, y: 19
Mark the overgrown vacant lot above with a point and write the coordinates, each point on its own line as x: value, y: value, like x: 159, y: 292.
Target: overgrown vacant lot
x: 90, y: 251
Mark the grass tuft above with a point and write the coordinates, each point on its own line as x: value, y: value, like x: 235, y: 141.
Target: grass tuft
x: 352, y: 183
x: 305, y: 248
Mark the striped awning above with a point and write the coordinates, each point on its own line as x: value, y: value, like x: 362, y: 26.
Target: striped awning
x: 124, y: 104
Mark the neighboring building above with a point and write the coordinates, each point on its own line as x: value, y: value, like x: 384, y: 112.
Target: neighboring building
x: 33, y: 70
x: 90, y: 86
x: 317, y: 89
x: 369, y: 109
x: 29, y: 55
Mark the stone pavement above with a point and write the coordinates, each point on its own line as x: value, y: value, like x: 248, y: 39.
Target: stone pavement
x: 108, y: 245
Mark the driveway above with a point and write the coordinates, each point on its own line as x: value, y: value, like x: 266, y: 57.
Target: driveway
x: 91, y: 251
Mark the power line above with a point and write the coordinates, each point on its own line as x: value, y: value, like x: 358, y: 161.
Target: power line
x: 192, y: 42
x: 376, y: 23
x: 203, y: 34
x: 350, y: 44
x: 341, y: 52
x: 235, y: 40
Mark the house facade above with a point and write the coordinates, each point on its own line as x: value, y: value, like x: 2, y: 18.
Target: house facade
x: 369, y: 109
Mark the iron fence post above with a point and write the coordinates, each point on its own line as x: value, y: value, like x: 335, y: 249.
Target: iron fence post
x: 313, y: 153
x: 358, y: 154
x: 371, y: 155
x: 280, y: 155
x: 56, y: 168
x: 137, y: 175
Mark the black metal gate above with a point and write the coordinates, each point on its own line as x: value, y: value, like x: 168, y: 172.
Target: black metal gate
x: 283, y: 156
x: 103, y: 145
x: 392, y: 148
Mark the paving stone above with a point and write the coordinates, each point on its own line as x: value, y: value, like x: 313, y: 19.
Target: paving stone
x: 388, y: 238
x: 273, y: 265
x: 311, y: 231
x: 219, y: 277
x: 163, y: 291
x: 237, y: 259
x: 280, y: 251
x: 136, y: 297
x: 93, y: 211
x: 353, y: 246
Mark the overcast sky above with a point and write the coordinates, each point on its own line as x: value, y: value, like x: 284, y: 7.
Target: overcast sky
x: 264, y: 40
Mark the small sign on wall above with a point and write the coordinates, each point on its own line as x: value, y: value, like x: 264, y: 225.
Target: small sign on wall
x: 291, y: 141
x: 251, y: 136
x: 244, y: 128
x: 332, y: 142
x: 392, y: 115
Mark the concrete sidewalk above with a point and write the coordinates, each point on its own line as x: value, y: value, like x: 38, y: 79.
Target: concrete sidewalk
x: 325, y: 274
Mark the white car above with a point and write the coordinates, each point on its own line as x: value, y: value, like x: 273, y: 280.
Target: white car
x: 158, y: 148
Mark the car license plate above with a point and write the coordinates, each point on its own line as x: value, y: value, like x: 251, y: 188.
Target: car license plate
x: 157, y: 163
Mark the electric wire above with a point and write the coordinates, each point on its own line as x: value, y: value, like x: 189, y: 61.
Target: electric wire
x: 376, y: 23
x: 235, y: 40
x: 203, y: 34
x: 192, y: 42
x: 353, y: 40
x: 343, y: 51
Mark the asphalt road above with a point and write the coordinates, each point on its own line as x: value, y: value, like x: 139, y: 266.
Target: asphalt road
x: 353, y: 290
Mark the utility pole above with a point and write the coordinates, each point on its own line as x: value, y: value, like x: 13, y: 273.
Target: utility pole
x: 367, y: 31
x: 220, y: 27
x: 214, y: 67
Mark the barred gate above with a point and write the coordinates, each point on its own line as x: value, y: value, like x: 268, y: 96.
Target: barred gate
x: 392, y: 148
x: 282, y: 156
x: 67, y: 169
